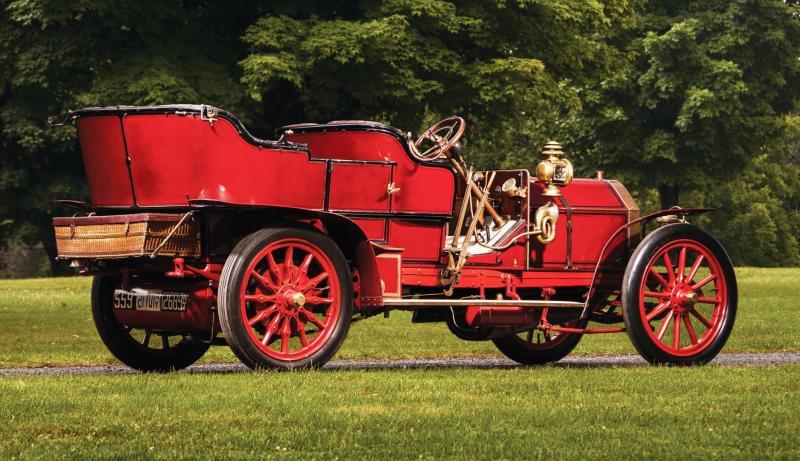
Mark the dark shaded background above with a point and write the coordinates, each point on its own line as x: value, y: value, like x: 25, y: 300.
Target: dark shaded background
x: 690, y: 102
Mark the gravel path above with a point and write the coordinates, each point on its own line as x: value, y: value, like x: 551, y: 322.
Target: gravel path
x: 747, y: 359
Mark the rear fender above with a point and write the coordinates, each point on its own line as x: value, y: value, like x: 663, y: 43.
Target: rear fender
x: 348, y: 236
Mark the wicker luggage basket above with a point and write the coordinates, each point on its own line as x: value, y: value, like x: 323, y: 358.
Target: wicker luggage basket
x: 122, y: 236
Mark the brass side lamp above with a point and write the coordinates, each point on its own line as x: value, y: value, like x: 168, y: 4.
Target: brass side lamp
x: 553, y: 170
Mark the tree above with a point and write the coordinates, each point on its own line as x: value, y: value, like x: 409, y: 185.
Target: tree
x: 61, y: 55
x: 512, y: 68
x: 704, y: 92
x: 758, y: 215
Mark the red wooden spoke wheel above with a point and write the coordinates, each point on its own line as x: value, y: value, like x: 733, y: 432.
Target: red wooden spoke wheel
x: 679, y: 299
x: 140, y: 348
x: 285, y: 299
x: 536, y: 347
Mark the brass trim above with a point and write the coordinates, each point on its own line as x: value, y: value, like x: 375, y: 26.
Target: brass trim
x: 529, y: 304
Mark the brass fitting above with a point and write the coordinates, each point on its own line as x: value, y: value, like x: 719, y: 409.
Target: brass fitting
x: 553, y: 170
x: 510, y: 189
x: 545, y: 220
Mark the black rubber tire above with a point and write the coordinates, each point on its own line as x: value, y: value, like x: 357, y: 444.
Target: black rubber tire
x: 638, y: 267
x: 232, y: 276
x: 127, y: 350
x: 521, y: 351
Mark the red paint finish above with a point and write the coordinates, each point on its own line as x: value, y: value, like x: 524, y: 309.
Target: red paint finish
x: 420, y: 240
x: 362, y: 171
x: 423, y: 188
x: 175, y: 158
x: 499, y: 316
x: 680, y: 272
x: 374, y: 229
x: 104, y: 159
x: 597, y: 212
x: 359, y: 187
x: 476, y: 277
x: 283, y: 272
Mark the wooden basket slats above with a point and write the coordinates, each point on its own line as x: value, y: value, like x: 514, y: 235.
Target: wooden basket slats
x: 126, y: 235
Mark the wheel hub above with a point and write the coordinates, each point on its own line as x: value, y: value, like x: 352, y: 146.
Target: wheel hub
x: 683, y: 297
x: 295, y: 299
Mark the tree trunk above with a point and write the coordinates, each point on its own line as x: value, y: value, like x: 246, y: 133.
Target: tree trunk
x: 669, y: 195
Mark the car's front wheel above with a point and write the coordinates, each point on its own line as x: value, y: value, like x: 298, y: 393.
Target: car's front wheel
x: 679, y: 296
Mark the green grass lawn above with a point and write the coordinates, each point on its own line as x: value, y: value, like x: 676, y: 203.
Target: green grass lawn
x: 547, y: 412
x: 48, y: 321
x: 555, y: 413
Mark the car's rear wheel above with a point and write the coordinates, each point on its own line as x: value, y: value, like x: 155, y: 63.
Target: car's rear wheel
x: 679, y: 296
x: 286, y: 299
x: 536, y: 347
x: 140, y: 348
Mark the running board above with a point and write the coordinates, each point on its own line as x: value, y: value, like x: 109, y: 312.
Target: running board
x: 537, y: 304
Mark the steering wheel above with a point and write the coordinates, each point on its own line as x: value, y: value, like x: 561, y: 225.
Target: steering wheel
x: 443, y: 135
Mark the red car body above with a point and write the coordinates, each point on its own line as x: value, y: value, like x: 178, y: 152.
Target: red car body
x: 390, y: 214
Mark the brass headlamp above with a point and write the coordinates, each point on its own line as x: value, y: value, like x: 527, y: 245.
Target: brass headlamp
x: 553, y: 170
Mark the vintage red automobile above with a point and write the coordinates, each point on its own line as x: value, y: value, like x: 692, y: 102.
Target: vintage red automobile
x: 199, y: 234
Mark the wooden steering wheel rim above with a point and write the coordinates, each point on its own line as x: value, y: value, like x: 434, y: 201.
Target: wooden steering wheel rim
x: 443, y: 149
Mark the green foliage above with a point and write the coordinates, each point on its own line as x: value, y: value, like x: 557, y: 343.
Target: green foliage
x: 708, y: 83
x: 511, y: 68
x: 58, y: 56
x: 680, y: 96
x: 758, y: 215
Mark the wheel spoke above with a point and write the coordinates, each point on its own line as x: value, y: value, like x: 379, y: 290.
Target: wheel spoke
x: 273, y: 267
x: 668, y: 264
x: 301, y: 332
x: 315, y: 300
x: 262, y: 315
x: 260, y: 299
x: 676, y: 332
x: 285, y: 330
x: 264, y: 280
x: 165, y: 341
x: 312, y: 283
x: 681, y: 264
x: 664, y: 283
x: 289, y: 261
x: 703, y: 282
x: 654, y: 294
x: 271, y: 329
x: 695, y: 268
x: 658, y: 310
x: 530, y: 336
x: 146, y: 340
x: 704, y: 300
x: 690, y: 329
x: 700, y: 317
x: 664, y: 324
x: 313, y: 319
x: 306, y: 263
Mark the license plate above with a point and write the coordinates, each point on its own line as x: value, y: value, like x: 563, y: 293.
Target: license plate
x: 150, y: 300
